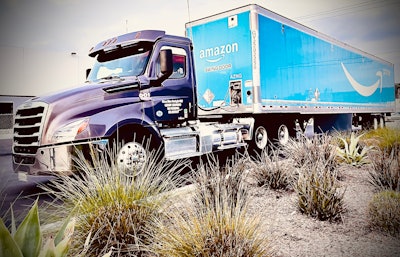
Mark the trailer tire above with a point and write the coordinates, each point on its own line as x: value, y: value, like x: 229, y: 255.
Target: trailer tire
x: 260, y: 138
x: 283, y: 134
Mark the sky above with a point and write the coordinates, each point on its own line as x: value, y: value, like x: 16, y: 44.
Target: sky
x: 77, y: 25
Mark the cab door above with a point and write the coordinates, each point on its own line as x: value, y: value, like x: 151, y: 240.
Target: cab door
x: 172, y: 101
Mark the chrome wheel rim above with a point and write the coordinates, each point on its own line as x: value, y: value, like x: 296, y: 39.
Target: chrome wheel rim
x: 261, y: 137
x: 283, y: 134
x: 131, y: 158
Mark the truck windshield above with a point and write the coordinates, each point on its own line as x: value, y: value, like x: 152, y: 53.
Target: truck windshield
x: 121, y: 62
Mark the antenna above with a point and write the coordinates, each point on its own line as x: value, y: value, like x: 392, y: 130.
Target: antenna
x: 126, y: 25
x: 188, y: 9
x: 187, y: 1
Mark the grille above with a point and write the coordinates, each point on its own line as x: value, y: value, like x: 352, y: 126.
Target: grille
x: 28, y: 124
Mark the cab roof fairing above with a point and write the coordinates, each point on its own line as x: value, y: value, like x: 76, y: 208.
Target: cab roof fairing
x: 126, y: 39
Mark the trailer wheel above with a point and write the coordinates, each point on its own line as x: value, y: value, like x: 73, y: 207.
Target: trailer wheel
x: 260, y: 138
x: 132, y: 157
x: 283, y: 134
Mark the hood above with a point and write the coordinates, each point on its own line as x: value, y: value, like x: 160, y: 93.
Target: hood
x: 86, y: 92
x: 86, y: 101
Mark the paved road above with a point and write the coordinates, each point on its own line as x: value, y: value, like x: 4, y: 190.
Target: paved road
x: 17, y: 188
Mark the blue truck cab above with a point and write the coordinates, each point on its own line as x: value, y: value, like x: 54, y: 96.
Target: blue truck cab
x: 142, y: 86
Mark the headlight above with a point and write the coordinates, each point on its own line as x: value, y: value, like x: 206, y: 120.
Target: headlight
x: 70, y: 131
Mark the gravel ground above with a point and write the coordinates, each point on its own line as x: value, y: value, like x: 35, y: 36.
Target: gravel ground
x: 295, y: 234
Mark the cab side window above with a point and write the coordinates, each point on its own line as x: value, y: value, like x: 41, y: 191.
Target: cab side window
x: 179, y: 62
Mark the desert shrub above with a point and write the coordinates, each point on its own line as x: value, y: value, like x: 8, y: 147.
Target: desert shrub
x: 112, y: 206
x: 384, y: 212
x: 317, y: 150
x: 319, y: 193
x: 385, y: 172
x: 383, y: 138
x: 351, y: 152
x: 230, y: 178
x: 270, y: 171
x: 215, y: 222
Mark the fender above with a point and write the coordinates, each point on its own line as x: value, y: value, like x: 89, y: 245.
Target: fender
x: 107, y: 123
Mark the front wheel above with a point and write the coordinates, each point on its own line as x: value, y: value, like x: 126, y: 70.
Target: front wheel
x: 132, y: 157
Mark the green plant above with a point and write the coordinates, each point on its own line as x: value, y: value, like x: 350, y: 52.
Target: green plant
x: 351, y: 151
x: 385, y: 173
x: 269, y: 170
x: 319, y: 193
x: 115, y: 207
x: 384, y: 212
x: 214, y: 221
x: 26, y: 241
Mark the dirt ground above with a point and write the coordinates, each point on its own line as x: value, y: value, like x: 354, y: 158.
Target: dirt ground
x: 295, y: 234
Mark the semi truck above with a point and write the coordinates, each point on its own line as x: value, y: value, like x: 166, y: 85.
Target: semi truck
x: 241, y: 78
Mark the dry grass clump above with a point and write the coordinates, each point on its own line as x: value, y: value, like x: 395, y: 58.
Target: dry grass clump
x: 216, y: 223
x: 385, y: 158
x: 114, y: 208
x: 384, y: 208
x: 230, y: 178
x: 270, y: 171
x: 385, y: 173
x: 319, y: 150
x: 384, y: 212
x: 317, y: 185
x: 383, y: 138
x: 319, y: 193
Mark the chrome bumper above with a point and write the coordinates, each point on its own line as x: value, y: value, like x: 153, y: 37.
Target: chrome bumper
x: 52, y: 160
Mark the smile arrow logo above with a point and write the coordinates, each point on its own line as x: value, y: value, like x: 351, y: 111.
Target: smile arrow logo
x: 361, y: 89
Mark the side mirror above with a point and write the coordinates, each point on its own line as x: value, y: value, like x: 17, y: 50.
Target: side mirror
x: 166, y: 64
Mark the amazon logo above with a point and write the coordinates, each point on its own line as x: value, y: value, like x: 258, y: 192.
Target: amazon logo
x: 215, y: 54
x: 364, y: 90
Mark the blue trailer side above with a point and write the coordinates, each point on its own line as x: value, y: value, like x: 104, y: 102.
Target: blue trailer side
x: 251, y: 60
x: 301, y: 68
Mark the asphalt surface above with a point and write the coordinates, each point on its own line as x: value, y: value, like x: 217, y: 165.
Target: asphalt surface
x: 17, y: 189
